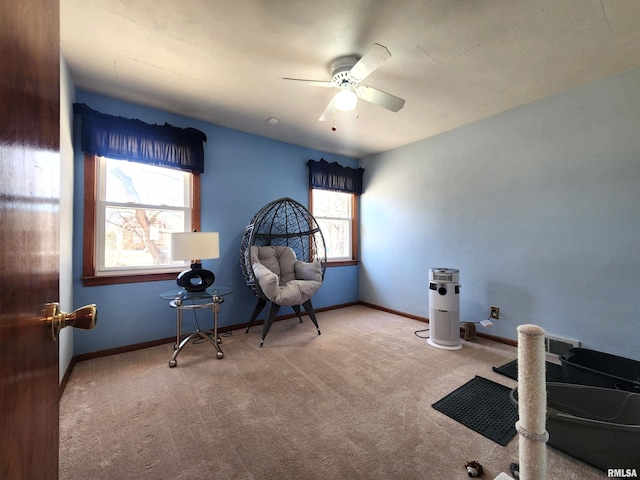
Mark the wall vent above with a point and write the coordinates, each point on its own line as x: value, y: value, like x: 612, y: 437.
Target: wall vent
x: 556, y: 346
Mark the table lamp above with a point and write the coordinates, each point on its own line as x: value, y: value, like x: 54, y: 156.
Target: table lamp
x: 195, y: 246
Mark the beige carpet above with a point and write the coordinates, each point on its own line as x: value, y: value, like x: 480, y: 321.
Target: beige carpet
x: 353, y: 403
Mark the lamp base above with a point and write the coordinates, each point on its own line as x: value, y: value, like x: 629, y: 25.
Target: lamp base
x: 195, y: 279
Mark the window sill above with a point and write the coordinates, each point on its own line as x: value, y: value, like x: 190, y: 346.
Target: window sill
x: 93, y: 281
x: 342, y: 263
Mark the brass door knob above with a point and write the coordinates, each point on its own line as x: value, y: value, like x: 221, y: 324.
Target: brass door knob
x: 84, y: 317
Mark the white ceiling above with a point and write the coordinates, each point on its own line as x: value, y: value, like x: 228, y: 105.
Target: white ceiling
x: 453, y: 61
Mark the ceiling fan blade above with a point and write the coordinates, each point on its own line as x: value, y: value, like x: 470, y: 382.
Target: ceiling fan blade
x: 316, y: 83
x: 372, y: 59
x: 378, y: 97
x: 328, y: 112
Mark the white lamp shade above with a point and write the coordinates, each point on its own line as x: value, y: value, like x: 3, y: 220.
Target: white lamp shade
x: 195, y: 245
x: 345, y: 100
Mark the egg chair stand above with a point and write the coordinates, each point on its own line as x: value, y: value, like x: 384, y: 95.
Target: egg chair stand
x: 283, y: 258
x: 273, y: 311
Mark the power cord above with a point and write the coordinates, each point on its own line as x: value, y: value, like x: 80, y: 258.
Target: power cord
x: 200, y: 339
x: 484, y: 323
x: 197, y: 340
x: 420, y: 331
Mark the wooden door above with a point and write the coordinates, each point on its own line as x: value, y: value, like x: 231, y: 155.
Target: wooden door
x: 29, y: 203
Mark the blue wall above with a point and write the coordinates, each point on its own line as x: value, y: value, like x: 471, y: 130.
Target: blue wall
x: 243, y: 172
x: 539, y: 209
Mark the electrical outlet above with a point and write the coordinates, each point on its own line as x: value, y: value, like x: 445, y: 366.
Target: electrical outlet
x: 494, y: 312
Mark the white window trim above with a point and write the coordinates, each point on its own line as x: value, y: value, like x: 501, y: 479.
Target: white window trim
x: 90, y: 276
x: 101, y: 207
x: 352, y: 230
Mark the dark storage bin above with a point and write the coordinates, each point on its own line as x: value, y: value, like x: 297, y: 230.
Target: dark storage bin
x: 599, y: 426
x: 589, y: 367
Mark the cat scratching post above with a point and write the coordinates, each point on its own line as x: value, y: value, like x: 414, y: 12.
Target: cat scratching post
x: 532, y: 403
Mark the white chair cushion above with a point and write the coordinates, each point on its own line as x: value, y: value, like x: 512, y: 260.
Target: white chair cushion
x: 279, y: 259
x: 308, y: 271
x: 283, y: 279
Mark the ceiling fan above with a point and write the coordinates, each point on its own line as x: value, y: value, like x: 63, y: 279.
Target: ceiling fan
x: 346, y: 75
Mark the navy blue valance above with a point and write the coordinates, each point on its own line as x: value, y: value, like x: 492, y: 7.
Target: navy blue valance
x: 333, y: 176
x: 136, y: 141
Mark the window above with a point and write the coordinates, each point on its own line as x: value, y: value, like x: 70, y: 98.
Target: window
x: 130, y: 211
x: 336, y: 214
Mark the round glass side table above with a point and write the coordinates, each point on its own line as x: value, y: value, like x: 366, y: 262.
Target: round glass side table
x: 183, y: 300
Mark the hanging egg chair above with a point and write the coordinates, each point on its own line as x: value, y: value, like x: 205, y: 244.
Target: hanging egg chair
x: 283, y: 259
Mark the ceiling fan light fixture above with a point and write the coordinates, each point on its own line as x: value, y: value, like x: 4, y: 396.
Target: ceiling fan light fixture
x: 345, y: 100
x: 346, y: 74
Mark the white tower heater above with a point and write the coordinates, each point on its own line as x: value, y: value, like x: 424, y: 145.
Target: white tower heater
x: 444, y: 308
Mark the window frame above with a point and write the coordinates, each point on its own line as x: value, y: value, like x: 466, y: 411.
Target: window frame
x: 354, y: 230
x: 89, y: 246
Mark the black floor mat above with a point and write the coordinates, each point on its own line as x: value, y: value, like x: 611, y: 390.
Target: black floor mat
x: 553, y: 371
x: 484, y: 406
